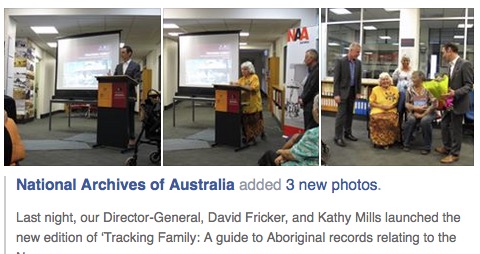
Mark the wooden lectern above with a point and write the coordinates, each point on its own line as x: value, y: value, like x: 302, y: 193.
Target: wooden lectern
x: 229, y: 100
x: 113, y: 110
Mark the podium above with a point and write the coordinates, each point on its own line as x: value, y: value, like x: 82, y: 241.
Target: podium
x: 113, y: 110
x: 229, y: 100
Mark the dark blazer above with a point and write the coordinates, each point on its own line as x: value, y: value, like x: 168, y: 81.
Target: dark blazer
x: 462, y: 82
x: 341, y: 78
x: 133, y: 71
x: 310, y: 90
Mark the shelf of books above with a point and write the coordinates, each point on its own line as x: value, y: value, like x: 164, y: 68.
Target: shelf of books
x: 361, y: 104
x: 278, y: 99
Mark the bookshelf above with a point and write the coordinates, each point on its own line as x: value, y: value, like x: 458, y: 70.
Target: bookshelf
x: 278, y: 101
x: 276, y: 92
x: 361, y: 104
x: 272, y: 79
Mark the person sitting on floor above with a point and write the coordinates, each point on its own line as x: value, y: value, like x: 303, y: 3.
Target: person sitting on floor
x: 384, y: 130
x: 421, y: 105
x: 300, y: 150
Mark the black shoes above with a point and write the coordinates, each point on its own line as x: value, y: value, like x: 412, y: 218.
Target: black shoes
x: 339, y: 142
x: 349, y: 136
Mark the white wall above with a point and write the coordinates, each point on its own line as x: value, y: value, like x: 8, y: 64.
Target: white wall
x: 279, y: 44
x: 152, y: 63
x: 170, y: 70
x: 409, y: 29
x: 45, y: 75
x: 9, y: 32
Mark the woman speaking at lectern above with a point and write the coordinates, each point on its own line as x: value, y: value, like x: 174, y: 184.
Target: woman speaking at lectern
x: 252, y: 118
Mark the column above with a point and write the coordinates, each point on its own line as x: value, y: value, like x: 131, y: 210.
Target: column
x: 409, y: 36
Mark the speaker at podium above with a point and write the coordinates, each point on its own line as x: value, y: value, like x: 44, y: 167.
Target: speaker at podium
x: 229, y: 100
x: 113, y: 110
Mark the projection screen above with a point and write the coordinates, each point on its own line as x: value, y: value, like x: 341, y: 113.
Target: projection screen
x: 206, y: 59
x: 80, y: 59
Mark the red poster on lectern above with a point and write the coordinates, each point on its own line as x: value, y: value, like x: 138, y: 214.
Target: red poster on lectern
x: 120, y: 95
x: 233, y: 104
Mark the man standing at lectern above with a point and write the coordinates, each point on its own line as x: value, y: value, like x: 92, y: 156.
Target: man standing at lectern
x: 131, y: 69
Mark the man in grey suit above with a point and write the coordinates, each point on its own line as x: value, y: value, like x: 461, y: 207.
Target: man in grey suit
x: 347, y: 83
x: 131, y: 69
x: 460, y: 84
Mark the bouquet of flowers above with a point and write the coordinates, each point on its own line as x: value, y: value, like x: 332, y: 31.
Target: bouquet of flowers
x: 439, y: 87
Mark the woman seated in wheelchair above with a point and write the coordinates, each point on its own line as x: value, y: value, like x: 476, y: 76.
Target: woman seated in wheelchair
x: 420, y: 105
x: 384, y: 130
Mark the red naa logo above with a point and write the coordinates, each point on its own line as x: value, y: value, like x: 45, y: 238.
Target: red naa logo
x: 296, y: 34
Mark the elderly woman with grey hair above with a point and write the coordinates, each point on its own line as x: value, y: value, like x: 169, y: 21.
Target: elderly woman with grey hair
x: 402, y: 76
x: 421, y: 105
x: 252, y: 118
x: 384, y: 129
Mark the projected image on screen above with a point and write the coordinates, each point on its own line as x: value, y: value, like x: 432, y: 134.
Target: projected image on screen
x: 207, y: 71
x: 81, y: 59
x: 208, y: 59
x: 79, y: 73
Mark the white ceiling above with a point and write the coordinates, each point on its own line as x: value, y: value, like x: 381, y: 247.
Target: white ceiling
x: 142, y: 33
x: 262, y: 31
x: 381, y: 13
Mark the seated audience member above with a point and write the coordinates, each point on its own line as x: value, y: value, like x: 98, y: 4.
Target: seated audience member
x: 7, y: 144
x: 299, y: 150
x: 13, y: 145
x: 10, y: 107
x: 384, y: 130
x: 421, y: 105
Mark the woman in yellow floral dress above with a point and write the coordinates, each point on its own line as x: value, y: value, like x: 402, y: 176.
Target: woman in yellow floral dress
x: 252, y: 117
x: 384, y: 129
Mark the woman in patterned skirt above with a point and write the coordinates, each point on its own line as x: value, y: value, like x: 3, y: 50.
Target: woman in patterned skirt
x: 384, y: 130
x: 252, y: 117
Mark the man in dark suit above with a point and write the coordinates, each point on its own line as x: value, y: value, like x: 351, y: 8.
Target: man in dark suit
x: 460, y: 84
x: 310, y: 89
x: 131, y: 69
x: 347, y: 83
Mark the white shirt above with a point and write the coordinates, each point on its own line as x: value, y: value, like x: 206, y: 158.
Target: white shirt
x: 125, y: 65
x: 452, y: 65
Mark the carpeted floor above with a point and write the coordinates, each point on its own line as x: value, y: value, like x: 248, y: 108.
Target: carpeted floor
x: 203, y: 129
x: 44, y: 145
x: 184, y: 144
x: 205, y: 135
x: 84, y: 137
